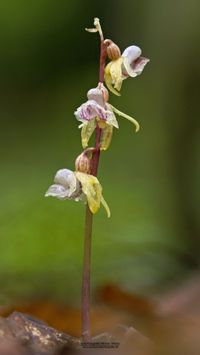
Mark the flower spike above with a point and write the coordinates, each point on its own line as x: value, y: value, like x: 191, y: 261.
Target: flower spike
x: 99, y: 116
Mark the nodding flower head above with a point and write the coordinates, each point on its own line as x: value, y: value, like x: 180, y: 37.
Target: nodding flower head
x: 129, y: 64
x: 78, y: 186
x: 66, y: 186
x: 133, y: 62
x: 97, y: 111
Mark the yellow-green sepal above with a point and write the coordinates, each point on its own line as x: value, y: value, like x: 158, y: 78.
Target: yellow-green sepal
x: 93, y: 192
x: 106, y: 137
x: 87, y: 129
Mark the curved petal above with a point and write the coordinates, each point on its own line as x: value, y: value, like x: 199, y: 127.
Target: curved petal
x: 139, y: 65
x: 105, y: 205
x: 58, y: 191
x: 67, y: 179
x: 109, y: 80
x: 89, y: 110
x: 116, y: 73
x: 133, y: 63
x: 128, y: 70
x: 131, y: 119
x: 87, y: 131
x: 111, y: 118
x: 106, y: 137
x: 132, y: 53
x: 92, y: 189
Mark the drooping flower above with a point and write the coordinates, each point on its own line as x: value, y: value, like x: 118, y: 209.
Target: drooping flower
x: 95, y: 111
x: 78, y: 186
x: 133, y: 62
x: 129, y: 64
x: 93, y: 191
x: 66, y: 186
x: 96, y: 107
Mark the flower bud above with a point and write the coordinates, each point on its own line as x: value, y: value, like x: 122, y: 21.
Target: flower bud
x: 83, y: 161
x: 113, y: 50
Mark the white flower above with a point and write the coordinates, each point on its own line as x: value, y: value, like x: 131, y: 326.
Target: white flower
x: 129, y: 64
x: 133, y: 64
x: 78, y: 186
x: 66, y: 186
x: 97, y: 111
x: 96, y: 107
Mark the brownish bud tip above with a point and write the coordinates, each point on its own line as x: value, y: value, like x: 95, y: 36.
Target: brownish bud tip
x: 113, y: 50
x: 83, y: 161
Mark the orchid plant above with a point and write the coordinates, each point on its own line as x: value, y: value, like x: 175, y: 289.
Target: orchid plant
x: 97, y: 116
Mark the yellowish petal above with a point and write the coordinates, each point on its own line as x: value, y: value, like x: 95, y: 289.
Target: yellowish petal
x: 106, y: 137
x: 131, y: 119
x: 105, y: 205
x: 116, y: 73
x: 101, y: 123
x: 92, y: 189
x: 91, y: 30
x: 111, y: 118
x: 109, y: 81
x: 86, y: 131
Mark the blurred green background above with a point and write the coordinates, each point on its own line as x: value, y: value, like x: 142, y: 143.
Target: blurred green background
x: 150, y: 179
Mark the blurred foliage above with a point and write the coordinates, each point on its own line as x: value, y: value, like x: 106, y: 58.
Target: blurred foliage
x: 150, y: 180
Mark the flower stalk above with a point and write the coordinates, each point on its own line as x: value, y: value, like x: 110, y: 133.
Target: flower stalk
x: 85, y: 309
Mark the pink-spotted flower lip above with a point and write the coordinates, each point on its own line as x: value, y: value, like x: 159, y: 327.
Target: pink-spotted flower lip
x: 133, y: 63
x: 90, y: 110
x: 96, y: 108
